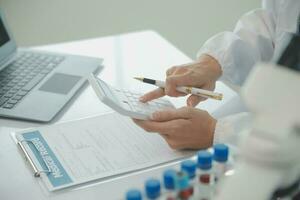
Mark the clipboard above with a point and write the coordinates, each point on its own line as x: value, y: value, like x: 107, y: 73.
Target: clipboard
x: 35, y: 168
x: 30, y: 143
x: 92, y: 149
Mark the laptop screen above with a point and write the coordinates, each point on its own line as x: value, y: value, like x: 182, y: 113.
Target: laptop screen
x: 3, y: 34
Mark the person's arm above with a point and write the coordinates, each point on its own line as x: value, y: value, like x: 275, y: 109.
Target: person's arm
x: 252, y: 40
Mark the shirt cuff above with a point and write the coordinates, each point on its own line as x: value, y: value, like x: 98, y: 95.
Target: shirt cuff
x: 232, y: 129
x: 222, y: 129
x: 220, y: 48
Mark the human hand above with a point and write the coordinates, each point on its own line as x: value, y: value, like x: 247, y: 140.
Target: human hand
x: 183, y: 128
x: 202, y: 73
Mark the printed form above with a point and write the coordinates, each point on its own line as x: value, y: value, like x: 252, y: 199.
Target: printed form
x: 93, y: 148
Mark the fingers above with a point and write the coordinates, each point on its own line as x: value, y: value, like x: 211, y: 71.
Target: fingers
x: 186, y: 79
x: 170, y: 71
x: 155, y: 94
x: 168, y: 130
x: 172, y: 114
x: 177, y: 70
x: 172, y: 82
x: 193, y: 100
x: 153, y: 126
x: 159, y: 92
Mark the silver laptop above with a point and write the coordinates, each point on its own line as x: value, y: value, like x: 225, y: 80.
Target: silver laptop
x: 35, y: 85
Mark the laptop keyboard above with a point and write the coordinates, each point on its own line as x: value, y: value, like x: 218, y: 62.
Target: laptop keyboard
x: 25, y: 72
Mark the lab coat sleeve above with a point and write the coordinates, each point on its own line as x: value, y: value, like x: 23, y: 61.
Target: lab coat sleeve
x: 232, y: 129
x: 252, y: 40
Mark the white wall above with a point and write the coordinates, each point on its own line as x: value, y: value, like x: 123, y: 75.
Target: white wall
x: 186, y: 23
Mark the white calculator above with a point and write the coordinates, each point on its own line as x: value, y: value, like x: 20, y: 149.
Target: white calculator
x: 126, y: 102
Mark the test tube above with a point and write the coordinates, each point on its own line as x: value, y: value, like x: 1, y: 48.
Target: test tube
x: 189, y: 166
x: 221, y: 152
x: 134, y: 194
x: 170, y: 192
x: 185, y: 190
x: 152, y: 189
x: 204, y: 188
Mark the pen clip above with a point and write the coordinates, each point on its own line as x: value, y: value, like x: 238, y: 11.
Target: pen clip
x: 216, y: 97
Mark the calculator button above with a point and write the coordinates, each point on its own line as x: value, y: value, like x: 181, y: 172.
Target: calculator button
x: 132, y: 104
x: 142, y: 105
x: 153, y: 104
x: 134, y: 109
x: 126, y: 105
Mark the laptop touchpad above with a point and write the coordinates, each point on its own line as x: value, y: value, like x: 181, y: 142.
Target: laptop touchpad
x: 60, y: 83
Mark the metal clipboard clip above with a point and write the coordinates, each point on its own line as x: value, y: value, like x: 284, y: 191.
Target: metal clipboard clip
x: 37, y: 171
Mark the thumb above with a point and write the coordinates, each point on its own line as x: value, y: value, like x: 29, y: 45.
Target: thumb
x: 193, y: 100
x: 172, y: 114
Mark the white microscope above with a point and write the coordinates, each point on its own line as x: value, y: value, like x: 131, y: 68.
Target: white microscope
x: 269, y: 165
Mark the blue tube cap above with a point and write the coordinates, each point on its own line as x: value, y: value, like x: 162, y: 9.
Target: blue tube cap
x: 221, y: 152
x: 169, y: 179
x: 204, y: 159
x: 152, y: 188
x: 189, y: 166
x: 133, y: 194
x: 182, y: 180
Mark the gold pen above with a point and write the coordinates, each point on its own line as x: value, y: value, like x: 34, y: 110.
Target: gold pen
x: 187, y: 90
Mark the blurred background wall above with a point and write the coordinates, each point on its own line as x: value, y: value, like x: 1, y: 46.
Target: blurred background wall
x: 186, y: 23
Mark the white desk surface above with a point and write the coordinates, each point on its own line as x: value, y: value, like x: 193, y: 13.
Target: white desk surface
x: 125, y: 56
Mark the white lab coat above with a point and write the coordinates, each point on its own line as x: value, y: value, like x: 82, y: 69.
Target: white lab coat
x: 258, y: 36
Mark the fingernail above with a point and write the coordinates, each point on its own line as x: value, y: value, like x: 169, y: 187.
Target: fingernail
x: 152, y: 116
x: 142, y: 98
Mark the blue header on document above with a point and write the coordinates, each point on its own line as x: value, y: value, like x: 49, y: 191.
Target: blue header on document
x: 58, y: 175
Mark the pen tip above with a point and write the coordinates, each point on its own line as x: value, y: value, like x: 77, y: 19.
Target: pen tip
x: 138, y: 78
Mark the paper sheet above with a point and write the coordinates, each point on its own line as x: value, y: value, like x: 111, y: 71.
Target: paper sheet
x: 94, y: 148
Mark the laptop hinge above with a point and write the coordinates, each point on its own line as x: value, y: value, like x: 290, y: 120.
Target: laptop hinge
x: 4, y: 62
